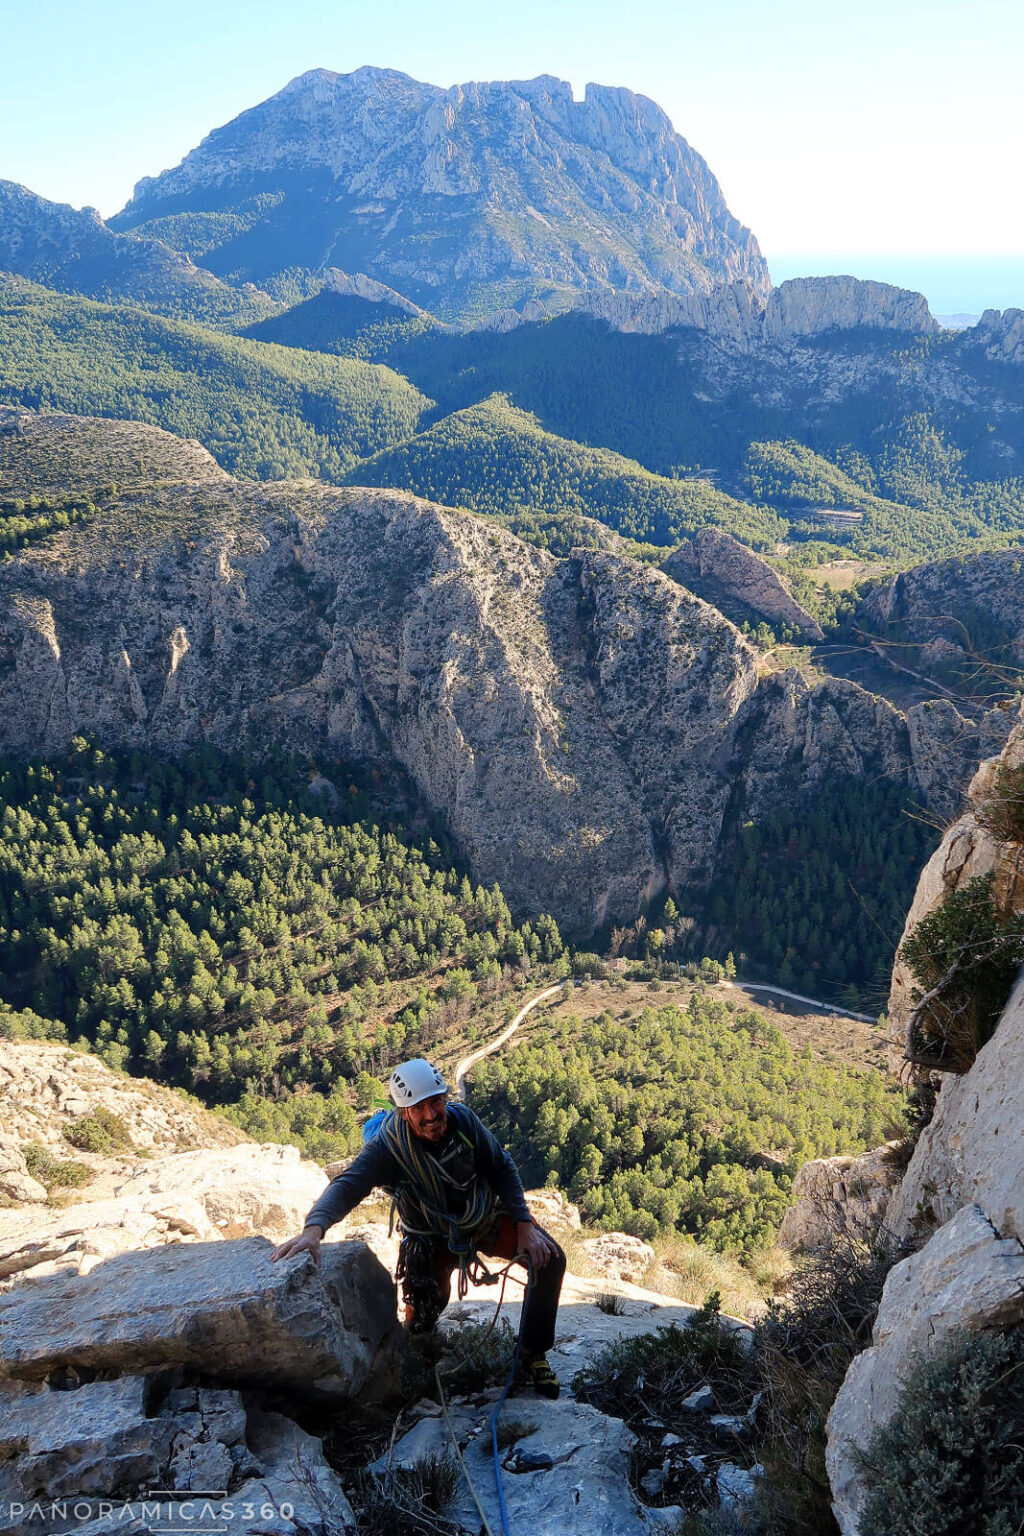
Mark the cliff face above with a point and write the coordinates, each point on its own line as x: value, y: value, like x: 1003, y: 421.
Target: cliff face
x: 741, y: 315
x: 579, y: 724
x: 517, y: 185
x: 961, y: 1201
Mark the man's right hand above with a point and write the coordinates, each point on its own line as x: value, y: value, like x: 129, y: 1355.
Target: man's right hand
x: 308, y: 1241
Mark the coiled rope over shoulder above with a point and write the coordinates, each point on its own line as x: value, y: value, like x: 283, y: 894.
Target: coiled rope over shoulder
x: 423, y: 1189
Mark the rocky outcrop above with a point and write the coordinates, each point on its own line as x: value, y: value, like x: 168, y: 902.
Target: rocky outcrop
x: 95, y: 1453
x: 16, y: 1183
x: 812, y: 306
x: 580, y: 725
x: 935, y: 608
x: 449, y: 195
x: 223, y: 1309
x: 966, y: 1277
x: 839, y: 1200
x: 731, y: 312
x: 738, y: 315
x: 1001, y: 334
x: 619, y: 1256
x: 723, y: 571
x: 194, y: 1197
x: 972, y: 1152
x: 357, y: 285
x: 969, y: 850
x: 45, y: 1088
x: 963, y: 1192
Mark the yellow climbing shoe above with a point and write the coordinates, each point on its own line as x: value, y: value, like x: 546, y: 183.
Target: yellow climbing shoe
x: 542, y: 1377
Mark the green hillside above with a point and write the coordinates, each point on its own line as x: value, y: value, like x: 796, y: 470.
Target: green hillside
x: 497, y: 459
x: 670, y: 1121
x: 263, y: 411
x: 224, y: 928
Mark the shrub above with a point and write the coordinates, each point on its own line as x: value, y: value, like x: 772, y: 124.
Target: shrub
x: 966, y: 956
x: 610, y: 1302
x: 650, y: 1374
x: 803, y: 1347
x: 510, y: 1430
x: 469, y: 1359
x: 101, y: 1131
x: 951, y: 1459
x: 51, y: 1171
x: 408, y: 1501
x: 1002, y: 811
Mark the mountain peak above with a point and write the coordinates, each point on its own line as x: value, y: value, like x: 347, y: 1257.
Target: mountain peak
x: 467, y: 199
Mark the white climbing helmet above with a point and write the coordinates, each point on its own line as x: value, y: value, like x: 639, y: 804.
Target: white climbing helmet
x: 414, y: 1081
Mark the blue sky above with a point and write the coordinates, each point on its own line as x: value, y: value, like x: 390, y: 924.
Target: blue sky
x: 884, y: 139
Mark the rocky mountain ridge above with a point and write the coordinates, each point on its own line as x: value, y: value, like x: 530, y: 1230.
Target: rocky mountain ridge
x: 581, y: 725
x: 74, y: 251
x: 737, y: 314
x: 522, y: 189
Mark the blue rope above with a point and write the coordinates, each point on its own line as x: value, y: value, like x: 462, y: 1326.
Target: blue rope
x: 501, y: 1400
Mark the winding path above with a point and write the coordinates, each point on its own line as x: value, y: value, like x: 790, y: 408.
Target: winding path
x: 485, y: 1050
x: 798, y: 997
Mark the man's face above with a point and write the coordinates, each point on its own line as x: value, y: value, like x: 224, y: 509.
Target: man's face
x: 429, y: 1118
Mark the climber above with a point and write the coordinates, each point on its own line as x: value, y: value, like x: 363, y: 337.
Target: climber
x: 457, y: 1194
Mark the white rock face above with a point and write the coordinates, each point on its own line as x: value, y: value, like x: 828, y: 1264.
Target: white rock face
x: 966, y: 1177
x: 967, y: 851
x: 837, y: 1198
x: 221, y: 1308
x: 1001, y: 334
x: 357, y: 285
x: 16, y: 1183
x: 620, y: 1256
x: 266, y: 1189
x: 966, y: 1277
x: 731, y: 570
x: 45, y: 1087
x: 810, y: 306
x: 972, y: 1153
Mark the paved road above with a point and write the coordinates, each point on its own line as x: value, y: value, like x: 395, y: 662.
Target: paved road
x: 506, y: 1034
x: 797, y: 997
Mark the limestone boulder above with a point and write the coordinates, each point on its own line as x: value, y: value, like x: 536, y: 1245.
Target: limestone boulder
x: 96, y: 1440
x: 243, y: 1190
x: 839, y: 1198
x: 619, y: 1256
x: 551, y: 1209
x: 571, y: 1472
x: 37, y: 1241
x: 16, y: 1183
x: 220, y: 1308
x: 966, y: 1277
x: 129, y: 1455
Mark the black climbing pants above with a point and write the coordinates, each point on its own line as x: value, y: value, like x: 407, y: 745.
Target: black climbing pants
x: 426, y: 1266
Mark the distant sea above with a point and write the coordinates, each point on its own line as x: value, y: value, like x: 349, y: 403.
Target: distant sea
x: 954, y: 286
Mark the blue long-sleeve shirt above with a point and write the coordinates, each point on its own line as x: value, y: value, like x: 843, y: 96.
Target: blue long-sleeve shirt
x: 376, y: 1167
